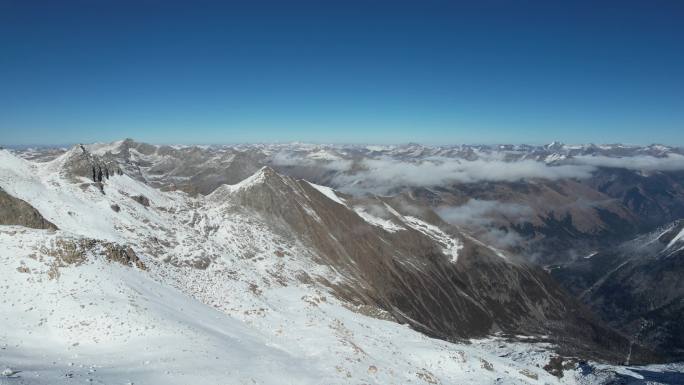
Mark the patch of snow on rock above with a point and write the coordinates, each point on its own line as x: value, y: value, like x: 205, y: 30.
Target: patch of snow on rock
x: 328, y: 192
x: 451, y: 245
x: 385, y: 224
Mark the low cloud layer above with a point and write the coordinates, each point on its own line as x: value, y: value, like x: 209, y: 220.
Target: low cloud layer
x: 478, y: 212
x: 382, y: 175
x: 481, y: 216
x: 288, y: 160
x: 671, y: 162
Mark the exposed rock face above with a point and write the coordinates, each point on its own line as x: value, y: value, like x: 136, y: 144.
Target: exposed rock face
x: 121, y: 254
x: 14, y: 211
x: 637, y: 288
x: 68, y: 251
x: 79, y: 162
x: 407, y: 272
x: 143, y: 200
x: 194, y: 170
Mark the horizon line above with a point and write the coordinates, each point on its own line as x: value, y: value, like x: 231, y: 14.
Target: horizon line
x: 320, y: 143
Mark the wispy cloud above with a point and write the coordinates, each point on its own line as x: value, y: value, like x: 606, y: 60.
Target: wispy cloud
x: 480, y: 216
x: 478, y: 212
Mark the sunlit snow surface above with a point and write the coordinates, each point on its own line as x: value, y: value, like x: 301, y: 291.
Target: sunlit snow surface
x: 385, y: 224
x: 328, y: 192
x: 678, y: 238
x: 247, y: 318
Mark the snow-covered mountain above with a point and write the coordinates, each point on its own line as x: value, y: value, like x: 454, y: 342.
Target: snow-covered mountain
x: 112, y: 276
x: 200, y: 169
x: 570, y: 198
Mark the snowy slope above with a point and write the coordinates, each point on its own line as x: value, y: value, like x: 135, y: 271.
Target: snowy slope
x: 328, y: 192
x: 223, y: 299
x: 113, y: 324
x: 677, y: 239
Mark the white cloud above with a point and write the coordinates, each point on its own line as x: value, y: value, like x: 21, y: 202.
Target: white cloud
x: 671, y: 162
x: 381, y: 175
x: 483, y: 212
x: 289, y: 159
x: 501, y: 238
x: 481, y: 216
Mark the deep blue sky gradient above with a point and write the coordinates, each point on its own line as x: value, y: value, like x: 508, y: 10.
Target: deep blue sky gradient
x: 342, y: 71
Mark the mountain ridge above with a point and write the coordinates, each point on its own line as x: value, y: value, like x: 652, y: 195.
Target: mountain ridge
x: 301, y: 254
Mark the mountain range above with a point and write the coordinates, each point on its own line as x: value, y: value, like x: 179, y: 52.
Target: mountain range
x: 300, y: 263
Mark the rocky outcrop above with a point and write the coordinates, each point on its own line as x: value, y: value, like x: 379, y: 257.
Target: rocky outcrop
x: 75, y: 251
x: 121, y: 254
x: 143, y: 200
x: 14, y: 211
x: 79, y: 162
x: 195, y: 170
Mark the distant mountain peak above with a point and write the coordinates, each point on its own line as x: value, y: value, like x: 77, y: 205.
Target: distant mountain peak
x: 555, y: 145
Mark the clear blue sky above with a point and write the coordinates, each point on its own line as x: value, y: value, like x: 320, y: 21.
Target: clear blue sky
x: 342, y: 71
